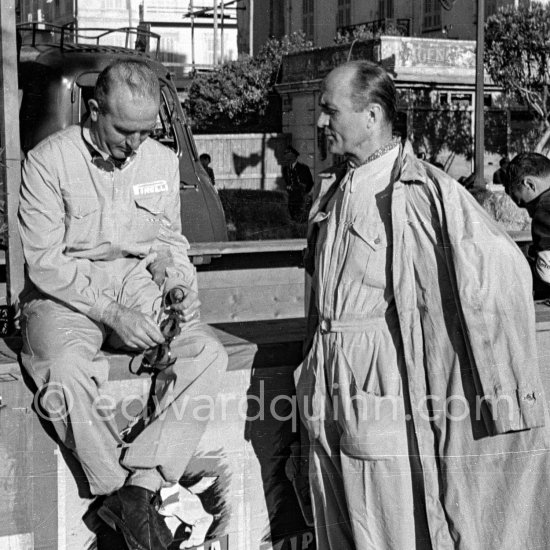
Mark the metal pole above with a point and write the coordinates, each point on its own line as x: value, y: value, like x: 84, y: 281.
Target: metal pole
x: 192, y: 35
x: 251, y: 27
x: 221, y: 32
x: 479, y: 98
x: 10, y: 160
x: 215, y: 32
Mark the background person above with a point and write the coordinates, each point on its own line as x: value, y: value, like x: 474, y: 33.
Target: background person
x: 299, y: 183
x: 527, y: 182
x: 500, y: 173
x: 206, y: 159
x: 420, y: 391
x: 100, y: 222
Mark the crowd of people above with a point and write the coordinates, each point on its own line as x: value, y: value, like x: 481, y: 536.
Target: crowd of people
x: 419, y: 389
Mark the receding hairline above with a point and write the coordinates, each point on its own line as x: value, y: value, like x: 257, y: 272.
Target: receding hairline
x: 378, y: 89
x: 135, y: 76
x: 345, y: 69
x: 134, y: 94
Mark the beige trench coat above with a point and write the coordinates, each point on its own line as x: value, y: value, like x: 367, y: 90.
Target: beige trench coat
x: 479, y: 418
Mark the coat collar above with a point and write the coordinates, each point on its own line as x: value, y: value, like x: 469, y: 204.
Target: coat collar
x: 412, y: 170
x: 409, y: 169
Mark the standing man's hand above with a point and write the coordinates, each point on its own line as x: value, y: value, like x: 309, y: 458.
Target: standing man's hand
x: 136, y: 330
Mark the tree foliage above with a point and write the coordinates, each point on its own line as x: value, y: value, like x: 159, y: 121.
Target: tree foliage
x: 442, y: 130
x: 237, y: 94
x: 517, y: 56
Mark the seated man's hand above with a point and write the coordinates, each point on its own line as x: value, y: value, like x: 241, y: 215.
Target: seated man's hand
x: 189, y: 308
x: 136, y: 330
x: 158, y: 261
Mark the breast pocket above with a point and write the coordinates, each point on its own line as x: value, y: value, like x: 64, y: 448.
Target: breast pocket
x: 150, y: 206
x: 82, y: 221
x: 149, y: 217
x: 368, y: 255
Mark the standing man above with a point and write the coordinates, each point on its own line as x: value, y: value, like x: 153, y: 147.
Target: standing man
x: 527, y: 181
x: 299, y: 183
x: 420, y: 391
x: 100, y: 223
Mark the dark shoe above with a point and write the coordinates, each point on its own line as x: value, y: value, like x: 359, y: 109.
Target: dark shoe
x: 133, y: 511
x: 106, y: 537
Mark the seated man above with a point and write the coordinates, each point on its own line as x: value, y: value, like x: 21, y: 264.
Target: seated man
x: 528, y: 182
x: 100, y: 224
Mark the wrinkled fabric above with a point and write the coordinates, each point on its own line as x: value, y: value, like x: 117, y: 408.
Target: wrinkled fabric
x: 440, y: 440
x: 75, y: 218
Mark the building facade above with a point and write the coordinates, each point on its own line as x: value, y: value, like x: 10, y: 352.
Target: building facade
x: 435, y: 80
x: 436, y: 76
x: 193, y: 35
x: 323, y: 20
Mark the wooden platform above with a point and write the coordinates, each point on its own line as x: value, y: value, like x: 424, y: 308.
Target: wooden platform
x: 43, y: 499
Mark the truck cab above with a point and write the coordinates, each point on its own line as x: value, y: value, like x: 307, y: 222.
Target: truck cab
x: 58, y: 69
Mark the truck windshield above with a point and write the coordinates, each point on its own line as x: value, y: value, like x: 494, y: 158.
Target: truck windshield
x: 164, y: 130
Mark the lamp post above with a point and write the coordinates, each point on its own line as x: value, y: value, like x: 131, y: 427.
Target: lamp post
x: 479, y: 127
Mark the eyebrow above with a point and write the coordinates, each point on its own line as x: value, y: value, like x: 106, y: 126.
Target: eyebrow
x: 325, y: 103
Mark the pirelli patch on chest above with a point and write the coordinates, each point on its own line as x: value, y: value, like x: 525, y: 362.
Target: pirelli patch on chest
x: 149, y: 188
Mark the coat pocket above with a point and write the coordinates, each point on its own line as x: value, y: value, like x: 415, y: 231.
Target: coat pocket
x: 372, y: 421
x: 377, y: 431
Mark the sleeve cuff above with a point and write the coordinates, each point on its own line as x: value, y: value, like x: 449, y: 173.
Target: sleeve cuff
x: 514, y: 410
x: 97, y: 310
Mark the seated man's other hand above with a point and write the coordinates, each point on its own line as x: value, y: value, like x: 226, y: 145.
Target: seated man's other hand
x: 158, y: 261
x: 189, y: 308
x: 135, y: 330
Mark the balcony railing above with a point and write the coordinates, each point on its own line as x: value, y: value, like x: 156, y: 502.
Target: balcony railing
x: 401, y: 27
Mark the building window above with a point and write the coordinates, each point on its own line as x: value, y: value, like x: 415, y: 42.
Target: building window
x: 386, y: 9
x: 307, y: 18
x: 114, y: 4
x: 491, y: 7
x: 432, y: 15
x: 344, y: 13
x: 276, y: 18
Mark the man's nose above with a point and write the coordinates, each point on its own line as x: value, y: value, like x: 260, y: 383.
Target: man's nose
x: 133, y: 141
x: 322, y: 121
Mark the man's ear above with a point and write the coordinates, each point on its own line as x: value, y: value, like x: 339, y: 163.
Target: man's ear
x: 530, y: 182
x: 375, y: 113
x: 94, y: 109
